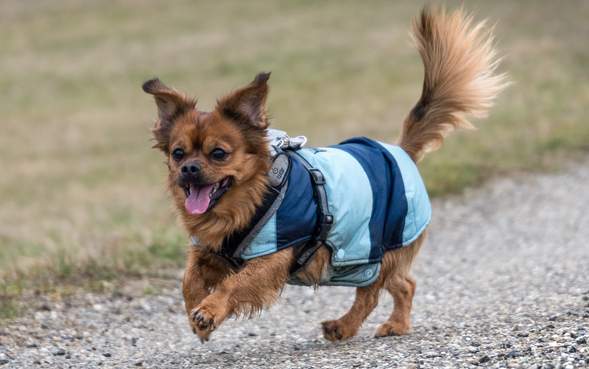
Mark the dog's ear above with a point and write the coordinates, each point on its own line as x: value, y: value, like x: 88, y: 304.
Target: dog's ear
x: 170, y: 104
x: 247, y: 105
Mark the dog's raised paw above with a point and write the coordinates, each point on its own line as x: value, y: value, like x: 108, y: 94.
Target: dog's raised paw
x: 203, y: 319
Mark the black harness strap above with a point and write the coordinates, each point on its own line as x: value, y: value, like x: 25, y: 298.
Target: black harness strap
x: 324, y: 217
x: 234, y: 245
x: 231, y: 250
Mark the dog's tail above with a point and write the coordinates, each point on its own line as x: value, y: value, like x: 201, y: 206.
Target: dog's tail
x: 459, y: 63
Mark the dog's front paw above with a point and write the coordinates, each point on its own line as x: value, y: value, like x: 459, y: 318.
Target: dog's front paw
x: 204, y: 319
x: 334, y: 330
x: 391, y: 329
x: 203, y: 334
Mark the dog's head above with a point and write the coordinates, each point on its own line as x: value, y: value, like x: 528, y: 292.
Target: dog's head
x: 217, y: 160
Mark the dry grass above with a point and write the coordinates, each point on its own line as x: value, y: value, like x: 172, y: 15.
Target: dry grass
x: 81, y: 191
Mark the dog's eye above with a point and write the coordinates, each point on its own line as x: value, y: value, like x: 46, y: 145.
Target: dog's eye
x: 178, y: 154
x: 218, y: 155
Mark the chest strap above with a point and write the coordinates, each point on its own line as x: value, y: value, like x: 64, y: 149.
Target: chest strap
x: 324, y: 217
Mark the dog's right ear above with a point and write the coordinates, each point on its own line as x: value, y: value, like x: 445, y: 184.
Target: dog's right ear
x: 170, y: 104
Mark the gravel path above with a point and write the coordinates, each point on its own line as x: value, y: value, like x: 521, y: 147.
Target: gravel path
x: 503, y: 281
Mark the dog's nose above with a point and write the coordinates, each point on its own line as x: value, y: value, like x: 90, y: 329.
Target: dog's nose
x: 190, y: 169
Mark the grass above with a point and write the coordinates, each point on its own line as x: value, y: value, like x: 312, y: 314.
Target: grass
x: 82, y: 193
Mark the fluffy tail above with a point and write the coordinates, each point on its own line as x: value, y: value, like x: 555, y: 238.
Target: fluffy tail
x: 459, y: 63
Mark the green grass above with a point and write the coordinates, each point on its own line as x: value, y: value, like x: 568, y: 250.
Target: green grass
x: 82, y: 193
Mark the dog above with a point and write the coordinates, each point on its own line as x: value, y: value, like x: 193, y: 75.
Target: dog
x: 241, y: 189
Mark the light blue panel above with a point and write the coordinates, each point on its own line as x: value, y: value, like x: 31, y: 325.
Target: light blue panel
x: 350, y: 235
x: 419, y: 211
x: 264, y: 243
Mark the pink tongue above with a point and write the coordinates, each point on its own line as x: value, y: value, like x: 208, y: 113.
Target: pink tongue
x: 198, y: 201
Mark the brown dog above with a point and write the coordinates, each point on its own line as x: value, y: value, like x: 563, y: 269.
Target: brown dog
x: 218, y: 175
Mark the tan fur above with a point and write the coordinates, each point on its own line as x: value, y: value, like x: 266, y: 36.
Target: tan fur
x: 394, y: 277
x: 458, y: 81
x: 459, y: 62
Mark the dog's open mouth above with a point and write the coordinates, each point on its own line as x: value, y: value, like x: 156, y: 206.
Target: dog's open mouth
x: 202, y: 198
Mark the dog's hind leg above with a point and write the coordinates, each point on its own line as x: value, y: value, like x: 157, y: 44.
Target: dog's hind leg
x: 402, y: 288
x: 397, y: 281
x: 347, y: 326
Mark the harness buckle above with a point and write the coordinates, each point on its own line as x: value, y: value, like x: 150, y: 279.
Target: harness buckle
x: 317, y: 176
x: 325, y: 223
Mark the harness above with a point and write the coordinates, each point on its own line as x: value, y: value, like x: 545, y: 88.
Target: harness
x: 284, y: 152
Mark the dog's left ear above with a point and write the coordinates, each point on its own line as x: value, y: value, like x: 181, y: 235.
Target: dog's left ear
x: 247, y: 105
x: 170, y: 104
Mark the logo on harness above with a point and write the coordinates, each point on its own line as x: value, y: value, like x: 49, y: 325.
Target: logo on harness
x: 278, y: 172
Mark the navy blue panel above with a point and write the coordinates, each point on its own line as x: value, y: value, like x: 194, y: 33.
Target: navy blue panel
x: 389, y: 206
x: 296, y: 217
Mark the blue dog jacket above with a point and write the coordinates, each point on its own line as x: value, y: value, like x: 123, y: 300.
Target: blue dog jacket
x: 376, y: 196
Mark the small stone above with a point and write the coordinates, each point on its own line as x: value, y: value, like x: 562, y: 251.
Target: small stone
x: 59, y: 352
x: 45, y: 307
x: 37, y: 362
x: 581, y: 340
x: 3, y: 361
x: 252, y: 334
x: 32, y: 345
x: 106, y: 354
x: 97, y: 307
x: 57, y: 339
x: 571, y: 349
x: 139, y: 363
x: 523, y: 334
x: 484, y: 359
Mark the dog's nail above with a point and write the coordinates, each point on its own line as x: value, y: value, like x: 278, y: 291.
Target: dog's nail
x: 194, y: 311
x: 338, y: 336
x: 199, y: 318
x: 211, y: 322
x: 335, y: 329
x: 194, y: 330
x: 327, y: 329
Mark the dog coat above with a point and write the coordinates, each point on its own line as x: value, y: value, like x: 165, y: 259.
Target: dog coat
x: 377, y: 198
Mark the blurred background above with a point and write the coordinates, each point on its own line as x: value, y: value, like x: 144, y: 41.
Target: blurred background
x: 82, y: 193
